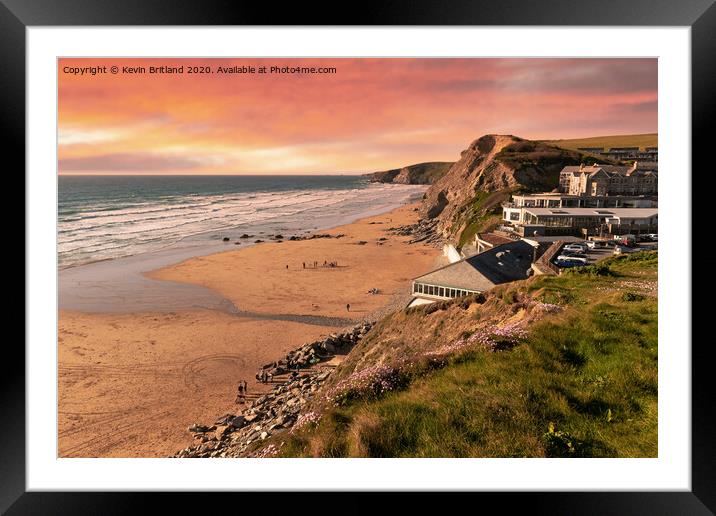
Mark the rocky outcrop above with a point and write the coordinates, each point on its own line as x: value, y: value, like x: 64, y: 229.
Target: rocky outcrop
x: 493, y: 163
x: 418, y: 174
x: 422, y: 231
x: 232, y: 435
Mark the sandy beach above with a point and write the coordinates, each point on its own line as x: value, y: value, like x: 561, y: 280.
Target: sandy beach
x: 131, y: 383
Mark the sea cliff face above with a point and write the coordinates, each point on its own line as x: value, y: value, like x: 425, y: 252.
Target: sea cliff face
x: 418, y: 174
x: 493, y: 163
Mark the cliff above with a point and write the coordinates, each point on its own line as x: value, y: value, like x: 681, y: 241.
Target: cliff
x: 491, y: 168
x: 418, y: 174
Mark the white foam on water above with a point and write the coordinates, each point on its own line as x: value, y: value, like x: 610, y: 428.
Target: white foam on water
x: 104, y: 252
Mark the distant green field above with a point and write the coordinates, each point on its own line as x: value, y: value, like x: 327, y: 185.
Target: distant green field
x: 619, y: 140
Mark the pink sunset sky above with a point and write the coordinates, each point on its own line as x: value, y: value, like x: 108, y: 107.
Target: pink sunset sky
x: 372, y: 114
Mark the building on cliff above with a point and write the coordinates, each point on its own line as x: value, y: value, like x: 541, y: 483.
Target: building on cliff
x: 601, y: 180
x: 503, y: 263
x: 624, y: 153
x: 586, y: 221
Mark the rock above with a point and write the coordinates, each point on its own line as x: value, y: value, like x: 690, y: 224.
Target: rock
x: 264, y: 435
x: 226, y: 239
x: 224, y: 420
x: 238, y: 421
x: 245, y: 236
x: 222, y: 431
x: 258, y: 241
x: 196, y: 428
x: 362, y: 242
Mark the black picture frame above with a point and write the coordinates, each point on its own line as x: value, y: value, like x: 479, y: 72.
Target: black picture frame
x: 699, y: 15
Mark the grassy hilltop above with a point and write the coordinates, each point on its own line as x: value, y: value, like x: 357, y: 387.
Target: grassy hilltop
x: 620, y: 140
x: 548, y: 367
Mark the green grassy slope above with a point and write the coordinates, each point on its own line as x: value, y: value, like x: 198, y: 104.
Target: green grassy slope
x: 581, y: 383
x: 620, y: 140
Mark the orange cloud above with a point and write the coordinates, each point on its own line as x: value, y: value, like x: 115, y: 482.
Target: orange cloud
x: 370, y: 114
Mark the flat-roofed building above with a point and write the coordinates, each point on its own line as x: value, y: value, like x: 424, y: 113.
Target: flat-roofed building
x: 503, y: 263
x: 590, y: 221
x: 485, y: 241
x: 514, y: 211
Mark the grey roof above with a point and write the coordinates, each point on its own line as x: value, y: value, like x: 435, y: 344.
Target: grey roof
x: 629, y: 213
x: 592, y: 169
x: 501, y: 264
x: 538, y: 239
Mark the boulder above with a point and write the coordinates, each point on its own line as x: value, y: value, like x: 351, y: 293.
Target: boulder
x: 238, y: 421
x: 222, y: 431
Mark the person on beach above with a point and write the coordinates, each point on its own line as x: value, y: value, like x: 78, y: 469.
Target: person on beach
x: 304, y: 265
x: 348, y: 307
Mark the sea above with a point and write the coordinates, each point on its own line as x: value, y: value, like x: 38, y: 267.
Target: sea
x: 110, y: 217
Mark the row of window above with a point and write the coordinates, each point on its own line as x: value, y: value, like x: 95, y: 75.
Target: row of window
x: 432, y: 290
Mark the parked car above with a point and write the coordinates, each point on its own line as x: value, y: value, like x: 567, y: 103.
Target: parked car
x: 653, y: 237
x: 576, y: 248
x: 626, y: 240
x: 599, y: 244
x: 569, y: 262
x: 571, y: 258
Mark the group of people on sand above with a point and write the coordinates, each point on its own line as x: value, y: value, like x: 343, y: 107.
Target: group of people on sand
x: 314, y: 265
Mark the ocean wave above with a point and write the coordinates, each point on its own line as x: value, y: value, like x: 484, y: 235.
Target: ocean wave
x: 99, y: 231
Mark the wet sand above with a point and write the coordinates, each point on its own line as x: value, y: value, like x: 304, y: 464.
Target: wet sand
x: 131, y: 383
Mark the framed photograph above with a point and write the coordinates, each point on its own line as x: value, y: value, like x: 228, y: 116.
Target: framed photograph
x: 417, y: 250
